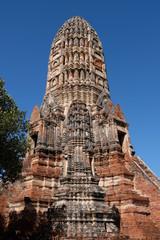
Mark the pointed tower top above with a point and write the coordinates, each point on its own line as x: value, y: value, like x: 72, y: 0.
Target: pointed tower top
x: 76, y: 68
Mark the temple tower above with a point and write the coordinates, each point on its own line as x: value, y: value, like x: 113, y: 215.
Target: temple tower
x: 81, y: 162
x: 76, y: 68
x: 76, y: 78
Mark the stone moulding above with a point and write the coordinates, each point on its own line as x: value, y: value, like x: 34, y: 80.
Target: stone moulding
x: 81, y: 170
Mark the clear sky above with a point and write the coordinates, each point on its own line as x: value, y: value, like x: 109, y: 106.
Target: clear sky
x: 130, y: 34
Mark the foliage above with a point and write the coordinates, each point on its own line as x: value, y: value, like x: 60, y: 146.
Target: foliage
x: 13, y: 143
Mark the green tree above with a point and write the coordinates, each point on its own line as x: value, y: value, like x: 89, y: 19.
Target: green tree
x: 13, y: 132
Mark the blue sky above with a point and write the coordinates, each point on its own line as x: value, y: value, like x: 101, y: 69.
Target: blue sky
x: 130, y: 34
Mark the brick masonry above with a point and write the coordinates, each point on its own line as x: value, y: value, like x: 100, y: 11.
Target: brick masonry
x: 82, y: 159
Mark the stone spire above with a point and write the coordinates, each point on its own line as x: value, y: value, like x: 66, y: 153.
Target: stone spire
x: 76, y: 68
x: 77, y: 123
x: 76, y: 81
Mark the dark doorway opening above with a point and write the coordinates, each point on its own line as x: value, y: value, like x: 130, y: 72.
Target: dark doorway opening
x: 121, y: 136
x: 34, y: 138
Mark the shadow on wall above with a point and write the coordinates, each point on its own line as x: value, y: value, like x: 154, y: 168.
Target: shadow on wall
x: 116, y: 216
x: 30, y: 225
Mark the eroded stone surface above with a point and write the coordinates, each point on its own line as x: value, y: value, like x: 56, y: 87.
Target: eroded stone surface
x: 82, y: 159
